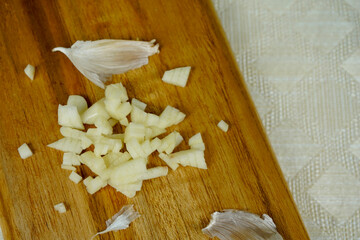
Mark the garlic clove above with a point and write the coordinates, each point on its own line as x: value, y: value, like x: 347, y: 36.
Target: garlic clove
x: 99, y: 60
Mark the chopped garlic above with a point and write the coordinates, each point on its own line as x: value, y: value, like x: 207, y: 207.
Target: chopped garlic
x: 155, y: 144
x: 138, y: 116
x: 128, y: 189
x: 79, y: 102
x: 68, y: 116
x: 135, y: 149
x: 76, y: 178
x: 155, y: 131
x: 116, y: 145
x: 148, y: 133
x: 147, y: 119
x: 116, y: 92
x: 117, y: 110
x: 138, y: 104
x: 128, y: 172
x: 68, y: 167
x: 124, y: 122
x: 71, y: 159
x: 196, y: 142
x: 113, y: 159
x: 170, y: 162
x: 177, y: 76
x: 192, y: 157
x: 170, y: 116
x: 146, y: 147
x: 94, y: 185
x: 116, y: 101
x: 25, y: 151
x: 152, y: 120
x: 106, y: 144
x: 95, y: 111
x: 30, y: 71
x: 103, y: 126
x: 155, y: 172
x: 124, y: 171
x: 87, y: 180
x: 77, y: 134
x: 95, y: 163
x: 67, y: 145
x: 113, y: 122
x: 150, y: 146
x: 170, y: 142
x: 136, y: 131
x: 178, y: 139
x: 60, y: 207
x: 117, y: 136
x: 92, y: 133
x: 101, y: 148
x: 223, y: 126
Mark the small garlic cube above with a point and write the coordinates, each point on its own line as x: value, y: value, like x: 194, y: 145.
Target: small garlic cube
x: 138, y: 104
x: 25, y: 151
x: 223, y: 126
x: 68, y: 167
x: 60, y: 207
x: 76, y: 178
x: 30, y: 71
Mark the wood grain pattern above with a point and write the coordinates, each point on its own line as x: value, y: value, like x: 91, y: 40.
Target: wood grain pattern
x: 242, y: 174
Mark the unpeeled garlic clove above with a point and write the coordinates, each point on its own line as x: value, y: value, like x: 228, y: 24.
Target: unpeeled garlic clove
x: 99, y: 60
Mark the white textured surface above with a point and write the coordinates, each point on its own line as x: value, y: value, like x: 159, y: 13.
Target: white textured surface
x: 301, y: 62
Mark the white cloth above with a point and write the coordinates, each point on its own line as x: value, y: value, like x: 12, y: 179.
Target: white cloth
x: 301, y: 62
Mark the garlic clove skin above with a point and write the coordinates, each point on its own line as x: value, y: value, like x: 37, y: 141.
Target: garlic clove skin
x: 120, y: 220
x: 233, y: 224
x: 99, y: 60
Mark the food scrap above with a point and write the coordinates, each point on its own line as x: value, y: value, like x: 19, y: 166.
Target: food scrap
x: 223, y: 125
x: 177, y: 76
x: 25, y: 151
x: 233, y: 224
x: 30, y: 71
x: 60, y: 207
x: 120, y: 220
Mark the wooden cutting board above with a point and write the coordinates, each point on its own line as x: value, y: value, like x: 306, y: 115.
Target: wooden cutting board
x: 243, y: 172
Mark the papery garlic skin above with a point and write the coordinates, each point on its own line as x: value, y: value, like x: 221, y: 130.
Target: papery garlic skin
x: 120, y: 220
x: 99, y: 60
x: 240, y: 225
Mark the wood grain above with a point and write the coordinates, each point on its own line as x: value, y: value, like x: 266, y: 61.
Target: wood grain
x: 242, y: 174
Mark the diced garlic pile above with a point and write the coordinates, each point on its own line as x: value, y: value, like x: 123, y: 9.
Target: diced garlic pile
x: 120, y: 159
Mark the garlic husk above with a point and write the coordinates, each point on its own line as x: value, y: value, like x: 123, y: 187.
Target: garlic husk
x: 120, y: 220
x: 99, y: 60
x: 233, y: 224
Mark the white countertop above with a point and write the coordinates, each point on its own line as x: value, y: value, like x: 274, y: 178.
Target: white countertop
x: 301, y: 62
